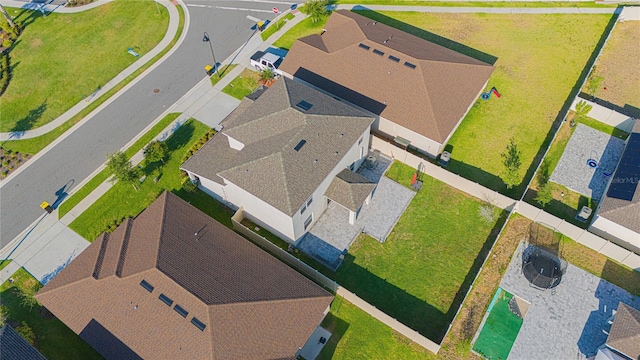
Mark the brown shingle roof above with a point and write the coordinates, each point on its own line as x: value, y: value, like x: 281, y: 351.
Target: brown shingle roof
x: 268, y: 166
x: 622, y: 211
x: 253, y: 306
x: 625, y: 331
x: 427, y: 90
x: 349, y: 189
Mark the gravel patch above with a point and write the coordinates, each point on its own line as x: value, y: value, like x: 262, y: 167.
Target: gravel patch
x: 572, y: 170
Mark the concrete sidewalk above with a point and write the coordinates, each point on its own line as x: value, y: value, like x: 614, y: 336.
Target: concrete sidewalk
x: 481, y: 9
x: 48, y: 244
x: 172, y: 29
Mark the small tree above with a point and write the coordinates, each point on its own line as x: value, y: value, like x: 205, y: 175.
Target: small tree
x: 4, y: 315
x: 545, y: 194
x: 27, y: 296
x: 121, y: 169
x: 26, y: 332
x: 582, y: 109
x: 316, y: 9
x: 156, y: 150
x: 511, y: 162
x: 266, y: 75
x: 488, y: 213
x: 593, y: 83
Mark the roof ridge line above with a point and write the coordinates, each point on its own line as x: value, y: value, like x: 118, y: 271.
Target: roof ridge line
x: 125, y: 246
x: 308, y: 298
x: 423, y: 83
x: 103, y: 249
x: 630, y: 204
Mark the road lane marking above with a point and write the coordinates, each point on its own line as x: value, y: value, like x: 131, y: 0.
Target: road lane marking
x: 243, y: 9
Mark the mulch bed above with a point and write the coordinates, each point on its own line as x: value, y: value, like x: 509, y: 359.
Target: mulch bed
x: 11, y: 160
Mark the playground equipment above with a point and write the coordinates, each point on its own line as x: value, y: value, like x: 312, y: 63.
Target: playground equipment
x: 487, y: 95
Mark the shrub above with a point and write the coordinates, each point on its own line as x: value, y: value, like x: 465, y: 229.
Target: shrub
x: 545, y: 194
x: 4, y: 315
x: 188, y: 185
x: 26, y: 332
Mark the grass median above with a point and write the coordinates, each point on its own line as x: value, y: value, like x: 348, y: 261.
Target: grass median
x: 103, y: 175
x: 34, y: 145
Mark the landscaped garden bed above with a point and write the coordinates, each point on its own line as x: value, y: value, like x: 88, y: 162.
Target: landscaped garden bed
x: 11, y: 161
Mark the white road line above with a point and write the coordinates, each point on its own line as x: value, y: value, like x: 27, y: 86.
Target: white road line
x: 196, y: 5
x: 243, y: 9
x: 256, y: 1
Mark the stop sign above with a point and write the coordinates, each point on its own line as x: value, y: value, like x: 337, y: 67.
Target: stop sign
x: 275, y: 10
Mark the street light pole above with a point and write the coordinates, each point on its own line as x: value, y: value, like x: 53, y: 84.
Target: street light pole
x: 215, y: 63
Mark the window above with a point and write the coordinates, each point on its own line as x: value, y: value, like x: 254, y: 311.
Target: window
x: 378, y: 52
x: 304, y: 207
x: 146, y: 286
x: 393, y: 58
x: 199, y: 324
x: 310, y: 200
x: 300, y: 145
x: 360, y: 141
x: 165, y: 299
x: 308, y: 221
x: 304, y: 105
x: 363, y: 46
x: 180, y: 310
x: 409, y: 65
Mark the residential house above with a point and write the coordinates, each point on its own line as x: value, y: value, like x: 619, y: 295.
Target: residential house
x: 623, y: 342
x: 174, y: 283
x: 278, y: 154
x: 418, y: 91
x: 617, y: 217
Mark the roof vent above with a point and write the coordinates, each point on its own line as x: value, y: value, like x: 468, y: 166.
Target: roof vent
x: 409, y: 65
x: 303, y: 105
x: 300, y: 145
x: 336, y: 153
x: 389, y: 38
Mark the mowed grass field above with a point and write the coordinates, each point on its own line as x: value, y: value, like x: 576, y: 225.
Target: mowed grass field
x: 619, y: 67
x: 61, y: 59
x: 539, y: 61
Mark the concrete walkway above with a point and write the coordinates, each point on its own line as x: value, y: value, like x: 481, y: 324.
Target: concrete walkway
x: 172, y: 29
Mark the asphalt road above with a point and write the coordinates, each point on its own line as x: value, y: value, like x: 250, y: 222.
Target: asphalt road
x: 81, y: 153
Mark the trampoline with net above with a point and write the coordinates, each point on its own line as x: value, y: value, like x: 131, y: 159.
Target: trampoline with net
x: 542, y: 264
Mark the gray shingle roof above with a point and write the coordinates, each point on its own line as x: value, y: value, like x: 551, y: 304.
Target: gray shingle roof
x: 13, y: 346
x: 621, y: 211
x: 427, y: 89
x: 271, y: 127
x: 625, y: 331
x: 349, y: 189
x: 253, y: 305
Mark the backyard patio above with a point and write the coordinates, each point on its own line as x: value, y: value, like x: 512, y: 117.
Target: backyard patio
x: 332, y: 235
x: 588, y: 161
x: 568, y: 322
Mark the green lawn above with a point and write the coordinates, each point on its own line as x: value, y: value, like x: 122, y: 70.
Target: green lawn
x: 357, y: 335
x: 224, y: 70
x: 539, y: 60
x: 102, y: 176
x: 272, y: 28
x: 420, y: 274
x: 540, y: 4
x: 303, y: 28
x: 500, y: 330
x: 243, y: 85
x: 122, y: 200
x: 53, y: 338
x: 63, y: 58
x: 4, y: 263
